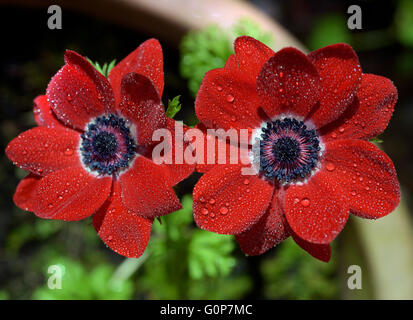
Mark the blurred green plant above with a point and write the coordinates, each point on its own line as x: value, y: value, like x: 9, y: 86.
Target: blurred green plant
x: 184, y: 261
x: 77, y: 283
x: 329, y: 29
x: 403, y: 20
x: 292, y: 274
x: 210, y: 48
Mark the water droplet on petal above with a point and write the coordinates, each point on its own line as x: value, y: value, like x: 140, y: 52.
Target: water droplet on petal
x: 230, y: 98
x: 204, y: 211
x: 305, y: 202
x: 212, y: 201
x: 223, y: 210
x: 68, y: 152
x: 330, y: 166
x: 246, y: 182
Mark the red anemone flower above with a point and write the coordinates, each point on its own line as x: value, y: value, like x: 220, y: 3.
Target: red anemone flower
x: 91, y: 152
x: 310, y: 117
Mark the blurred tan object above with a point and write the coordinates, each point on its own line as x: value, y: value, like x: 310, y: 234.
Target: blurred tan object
x: 388, y: 246
x: 171, y: 19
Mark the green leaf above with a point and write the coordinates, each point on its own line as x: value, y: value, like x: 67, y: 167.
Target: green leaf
x: 376, y: 140
x: 105, y: 69
x: 210, y: 255
x: 173, y: 107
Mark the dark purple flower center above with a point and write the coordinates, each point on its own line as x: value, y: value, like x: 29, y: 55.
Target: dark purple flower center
x: 289, y: 151
x: 107, y: 146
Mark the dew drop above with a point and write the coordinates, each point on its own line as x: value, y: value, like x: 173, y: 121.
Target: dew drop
x: 305, y: 202
x: 204, y: 211
x: 330, y: 166
x: 223, y: 210
x: 68, y: 152
x: 341, y: 129
x: 230, y: 98
x: 212, y: 201
x: 219, y: 88
x: 246, y: 182
x: 353, y: 193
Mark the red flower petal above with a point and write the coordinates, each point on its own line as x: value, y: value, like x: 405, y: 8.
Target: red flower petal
x: 288, y: 83
x: 221, y: 100
x: 223, y: 151
x: 369, y: 114
x: 317, y: 210
x: 251, y: 55
x: 42, y: 150
x: 146, y: 189
x: 122, y: 230
x: 177, y: 171
x: 43, y: 114
x: 70, y: 194
x: 340, y: 72
x: 78, y: 92
x: 141, y: 104
x: 228, y: 202
x: 269, y: 231
x: 24, y: 195
x: 147, y: 60
x: 319, y: 251
x: 366, y: 176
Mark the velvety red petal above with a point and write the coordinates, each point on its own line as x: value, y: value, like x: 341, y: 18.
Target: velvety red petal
x: 146, y: 189
x: 288, y: 83
x: 266, y: 233
x: 316, y: 210
x: 70, y: 194
x: 178, y: 170
x: 340, y: 73
x: 251, y: 55
x: 209, y: 158
x: 227, y: 99
x: 366, y: 175
x: 368, y: 115
x: 43, y: 114
x: 142, y: 105
x: 122, y: 230
x: 78, y: 92
x: 147, y: 60
x: 24, y: 195
x: 42, y: 150
x: 319, y: 251
x: 228, y: 202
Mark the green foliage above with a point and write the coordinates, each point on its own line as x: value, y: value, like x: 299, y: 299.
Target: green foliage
x: 174, y: 106
x: 210, y: 48
x: 78, y: 283
x: 185, y: 261
x: 202, y: 51
x: 39, y: 230
x: 376, y: 140
x: 329, y: 29
x: 294, y: 274
x: 247, y: 27
x: 105, y: 69
x: 403, y: 20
